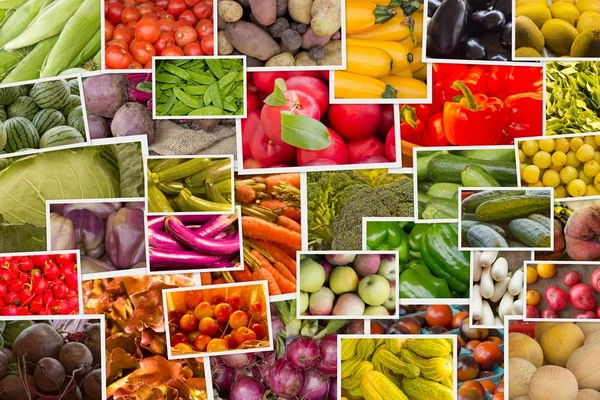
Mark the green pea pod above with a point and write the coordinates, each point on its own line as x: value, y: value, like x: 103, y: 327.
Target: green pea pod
x: 169, y: 104
x: 195, y: 90
x: 187, y: 99
x: 165, y: 77
x: 175, y: 70
x: 414, y: 238
x: 210, y: 110
x: 418, y: 283
x: 215, y: 67
x: 201, y: 78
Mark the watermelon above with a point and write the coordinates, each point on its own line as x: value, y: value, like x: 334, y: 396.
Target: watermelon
x: 74, y: 86
x: 3, y: 116
x: 9, y: 94
x: 23, y: 107
x: 48, y: 118
x: 24, y: 90
x: 51, y: 94
x: 2, y: 136
x: 60, y: 136
x: 75, y: 119
x: 73, y: 101
x: 20, y: 134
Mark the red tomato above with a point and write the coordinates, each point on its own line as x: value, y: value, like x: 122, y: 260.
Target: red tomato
x: 150, y: 16
x: 162, y: 4
x: 180, y: 23
x: 130, y: 3
x: 189, y: 16
x: 185, y: 35
x: 166, y: 24
x: 108, y: 30
x: 148, y: 65
x: 210, y: 3
x: 135, y: 65
x: 117, y: 57
x: 130, y: 14
x: 172, y: 51
x: 146, y: 8
x: 439, y: 315
x: 202, y: 10
x: 166, y: 39
x: 159, y: 10
x: 147, y: 30
x: 488, y: 355
x: 204, y: 28
x: 193, y: 49
x: 176, y: 7
x: 142, y: 51
x: 207, y: 44
x: 164, y: 14
x: 119, y: 42
x: 123, y: 34
x: 191, y: 3
x: 113, y: 12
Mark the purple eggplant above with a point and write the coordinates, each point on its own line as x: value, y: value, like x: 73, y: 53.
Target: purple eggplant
x: 216, y: 225
x: 89, y: 232
x: 156, y: 223
x: 163, y: 240
x: 102, y: 210
x: 62, y: 233
x: 204, y: 245
x: 182, y: 259
x: 124, y: 239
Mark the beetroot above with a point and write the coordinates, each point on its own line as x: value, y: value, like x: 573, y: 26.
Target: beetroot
x: 98, y: 127
x: 582, y: 233
x: 105, y: 94
x: 49, y: 374
x: 36, y: 342
x: 133, y: 119
x: 76, y: 358
x: 92, y: 384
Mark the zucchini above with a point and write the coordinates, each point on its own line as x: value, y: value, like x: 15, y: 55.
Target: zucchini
x: 466, y: 225
x: 529, y: 232
x: 511, y: 208
x: 544, y: 221
x: 469, y: 217
x: 514, y: 243
x: 484, y: 236
x: 441, y: 209
x: 474, y: 175
x: 448, y: 168
x: 423, y: 161
x: 443, y: 190
x: 471, y: 203
x: 424, y: 197
x: 424, y: 186
x: 488, y: 154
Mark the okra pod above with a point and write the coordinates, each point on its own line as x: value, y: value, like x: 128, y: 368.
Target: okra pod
x: 199, y: 204
x: 186, y: 169
x: 217, y: 171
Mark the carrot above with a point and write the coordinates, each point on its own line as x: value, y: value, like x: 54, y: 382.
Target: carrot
x: 264, y: 275
x: 293, y: 213
x: 289, y: 224
x: 245, y: 194
x: 284, y: 271
x: 219, y: 281
x: 279, y: 255
x: 273, y: 180
x: 284, y: 284
x: 289, y: 250
x: 273, y: 204
x: 257, y: 228
x: 205, y: 278
x: 242, y: 276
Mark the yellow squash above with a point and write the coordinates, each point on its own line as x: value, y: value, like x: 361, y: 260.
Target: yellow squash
x: 407, y: 73
x: 401, y: 55
x: 410, y: 41
x: 420, y: 74
x: 396, y: 29
x: 353, y: 86
x: 408, y: 88
x: 418, y: 28
x: 368, y: 61
x: 364, y: 15
x: 417, y: 63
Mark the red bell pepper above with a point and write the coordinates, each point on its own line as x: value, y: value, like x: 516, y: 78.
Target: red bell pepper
x: 443, y: 71
x: 474, y: 119
x: 505, y: 81
x: 523, y: 115
x: 434, y: 135
x: 474, y: 78
x: 413, y: 120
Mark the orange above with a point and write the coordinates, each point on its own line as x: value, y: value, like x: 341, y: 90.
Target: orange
x: 533, y: 297
x: 546, y: 271
x: 532, y: 275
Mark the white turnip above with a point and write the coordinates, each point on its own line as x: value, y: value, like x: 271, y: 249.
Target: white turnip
x: 105, y: 94
x: 133, y: 119
x: 36, y: 342
x: 92, y: 339
x: 92, y: 384
x: 76, y: 357
x: 12, y: 388
x: 49, y: 374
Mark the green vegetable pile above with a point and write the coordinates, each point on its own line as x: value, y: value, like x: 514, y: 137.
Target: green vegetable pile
x: 572, y: 97
x: 431, y: 264
x: 441, y: 173
x: 196, y: 87
x: 338, y: 200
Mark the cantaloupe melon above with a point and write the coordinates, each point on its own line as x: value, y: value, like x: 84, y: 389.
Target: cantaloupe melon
x: 540, y: 328
x: 522, y: 346
x: 552, y: 383
x: 588, y: 394
x: 593, y: 338
x: 519, y: 372
x: 560, y: 341
x: 584, y: 363
x: 588, y: 327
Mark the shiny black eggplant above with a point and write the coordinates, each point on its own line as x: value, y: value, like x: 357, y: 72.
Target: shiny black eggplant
x: 506, y: 36
x: 505, y: 7
x: 487, y: 21
x: 473, y: 49
x: 432, y: 7
x: 447, y: 29
x: 481, y: 4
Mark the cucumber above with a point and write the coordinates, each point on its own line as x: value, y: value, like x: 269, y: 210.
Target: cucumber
x: 511, y: 208
x: 471, y: 203
x: 441, y: 209
x: 488, y: 154
x: 466, y: 225
x: 469, y: 217
x: 423, y: 161
x: 529, y: 232
x: 474, y: 175
x: 424, y: 197
x: 514, y: 243
x: 424, y: 186
x: 448, y: 168
x: 484, y: 236
x: 443, y: 190
x: 544, y: 221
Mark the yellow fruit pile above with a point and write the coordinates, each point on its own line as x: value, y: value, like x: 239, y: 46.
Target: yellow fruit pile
x: 566, y: 28
x: 570, y: 165
x: 383, y: 53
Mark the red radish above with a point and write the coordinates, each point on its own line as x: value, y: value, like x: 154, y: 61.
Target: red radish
x: 48, y: 298
x: 268, y: 153
x: 25, y: 296
x: 69, y: 305
x: 265, y: 81
x: 4, y: 275
x: 24, y: 264
x: 37, y: 304
x: 12, y: 298
x: 3, y: 290
x: 313, y: 87
x: 64, y: 259
x: 59, y: 289
x: 298, y: 103
x: 586, y: 315
x: 598, y: 311
x: 10, y: 310
x: 39, y: 285
x: 548, y: 313
x: 390, y: 144
x: 355, y: 121
x: 594, y: 280
x: 532, y: 312
x: 40, y: 261
x: 71, y: 281
x: 15, y: 272
x: 571, y: 278
x: 336, y: 151
x: 556, y: 297
x: 15, y: 285
x: 387, y: 119
x: 23, y: 311
x: 51, y: 271
x: 364, y: 148
x: 582, y: 297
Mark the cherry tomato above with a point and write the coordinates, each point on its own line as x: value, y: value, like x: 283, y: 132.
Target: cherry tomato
x: 166, y: 24
x: 130, y: 14
x: 146, y: 8
x: 467, y: 368
x: 204, y: 27
x: 147, y: 30
x: 439, y: 315
x: 475, y: 385
x: 172, y: 51
x: 142, y: 51
x: 113, y: 13
x: 202, y: 10
x: 189, y: 16
x: 185, y: 35
x: 458, y: 318
x: 191, y: 3
x: 193, y: 49
x: 123, y: 34
x: 108, y: 30
x: 119, y: 42
x: 162, y: 4
x: 166, y: 39
x: 176, y: 7
x: 207, y: 44
x: 150, y: 16
x: 117, y: 57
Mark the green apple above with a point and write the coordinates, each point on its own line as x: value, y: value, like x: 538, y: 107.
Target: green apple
x: 374, y: 290
x: 312, y: 275
x: 349, y: 304
x: 376, y: 310
x: 390, y: 303
x: 321, y: 301
x: 343, y: 280
x: 303, y: 302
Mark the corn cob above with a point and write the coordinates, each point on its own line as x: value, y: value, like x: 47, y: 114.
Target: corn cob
x: 20, y: 19
x: 29, y: 67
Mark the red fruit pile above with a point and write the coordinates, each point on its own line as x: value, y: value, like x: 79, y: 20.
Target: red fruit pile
x: 39, y: 285
x: 358, y: 133
x: 218, y: 324
x: 137, y: 30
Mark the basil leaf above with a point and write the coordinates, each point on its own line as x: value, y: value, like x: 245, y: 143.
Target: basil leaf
x: 145, y: 87
x: 304, y: 132
x: 277, y: 98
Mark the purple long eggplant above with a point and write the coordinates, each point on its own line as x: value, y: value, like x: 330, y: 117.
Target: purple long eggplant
x: 124, y: 241
x: 205, y: 245
x: 216, y: 225
x: 194, y: 219
x: 156, y: 223
x: 160, y: 258
x: 163, y: 240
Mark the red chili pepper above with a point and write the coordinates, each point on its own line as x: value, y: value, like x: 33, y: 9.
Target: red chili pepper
x: 474, y: 120
x: 523, y: 115
x: 505, y: 81
x: 434, y: 135
x: 412, y: 121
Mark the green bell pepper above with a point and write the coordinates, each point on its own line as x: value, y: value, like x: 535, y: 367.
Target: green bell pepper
x: 387, y: 235
x: 417, y: 282
x: 415, y: 236
x: 439, y: 248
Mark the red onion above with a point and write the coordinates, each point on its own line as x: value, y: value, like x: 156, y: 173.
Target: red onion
x: 277, y: 325
x: 261, y: 371
x: 246, y: 389
x: 237, y: 361
x: 333, y: 395
x: 316, y: 386
x: 302, y: 352
x: 222, y: 376
x: 284, y: 380
x: 328, y: 350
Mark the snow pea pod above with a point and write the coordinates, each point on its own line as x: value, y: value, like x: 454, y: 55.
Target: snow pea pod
x: 187, y: 99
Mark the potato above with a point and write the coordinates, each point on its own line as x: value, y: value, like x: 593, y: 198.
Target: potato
x: 304, y: 60
x: 243, y: 3
x: 265, y: 11
x: 230, y: 11
x: 225, y: 48
x: 251, y: 40
x: 281, y: 60
x: 254, y: 62
x: 310, y: 39
x: 282, y: 7
x: 326, y: 17
x: 333, y: 53
x: 299, y: 10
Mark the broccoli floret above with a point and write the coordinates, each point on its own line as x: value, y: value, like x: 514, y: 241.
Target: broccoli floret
x: 348, y: 240
x: 398, y: 198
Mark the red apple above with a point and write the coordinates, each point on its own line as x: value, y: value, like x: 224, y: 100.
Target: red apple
x: 586, y: 315
x: 532, y: 312
x: 571, y: 278
x: 316, y: 88
x: 548, y: 313
x: 595, y: 280
x: 336, y: 151
x: 557, y: 298
x: 582, y: 297
x: 298, y: 103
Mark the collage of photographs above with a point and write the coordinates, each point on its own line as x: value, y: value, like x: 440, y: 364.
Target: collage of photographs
x: 299, y: 199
